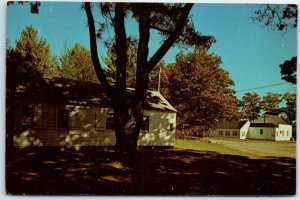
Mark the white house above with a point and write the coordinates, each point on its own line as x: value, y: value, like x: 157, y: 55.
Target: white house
x: 236, y: 129
x: 69, y: 113
x: 268, y: 127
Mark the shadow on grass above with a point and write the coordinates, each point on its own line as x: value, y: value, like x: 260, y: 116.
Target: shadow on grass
x: 50, y: 171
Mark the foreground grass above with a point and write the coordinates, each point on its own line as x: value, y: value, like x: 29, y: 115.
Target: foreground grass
x: 90, y: 171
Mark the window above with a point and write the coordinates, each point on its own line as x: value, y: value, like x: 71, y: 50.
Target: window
x: 171, y: 126
x: 62, y: 118
x: 227, y: 133
x: 261, y: 131
x: 145, y: 123
x: 109, y: 121
x: 234, y: 133
x: 27, y: 116
x: 287, y: 133
x: 41, y: 117
x: 243, y: 133
x: 220, y: 132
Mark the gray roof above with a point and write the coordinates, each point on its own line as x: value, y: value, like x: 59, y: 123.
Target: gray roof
x: 277, y: 120
x: 230, y: 124
x: 66, y: 91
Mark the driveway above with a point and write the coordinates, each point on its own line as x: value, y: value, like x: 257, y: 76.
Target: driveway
x: 263, y: 148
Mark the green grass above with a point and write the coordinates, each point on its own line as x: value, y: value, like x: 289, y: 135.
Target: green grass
x: 204, y: 145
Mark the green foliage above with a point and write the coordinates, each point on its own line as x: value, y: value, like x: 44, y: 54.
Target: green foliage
x: 250, y: 106
x: 110, y: 62
x: 34, y: 54
x: 199, y: 89
x: 290, y: 107
x: 289, y: 70
x: 270, y: 103
x: 76, y: 63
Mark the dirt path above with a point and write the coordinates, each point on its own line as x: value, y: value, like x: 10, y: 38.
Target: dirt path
x: 264, y: 148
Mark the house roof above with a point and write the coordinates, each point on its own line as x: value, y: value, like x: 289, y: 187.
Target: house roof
x: 275, y: 119
x: 66, y: 91
x: 262, y: 125
x: 231, y: 124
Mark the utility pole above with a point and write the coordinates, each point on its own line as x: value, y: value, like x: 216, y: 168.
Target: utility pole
x: 158, y: 86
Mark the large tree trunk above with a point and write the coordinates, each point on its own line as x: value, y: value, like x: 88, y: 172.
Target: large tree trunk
x: 128, y: 115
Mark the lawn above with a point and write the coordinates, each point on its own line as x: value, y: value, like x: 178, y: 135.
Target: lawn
x: 234, y: 146
x: 191, y: 168
x: 204, y: 145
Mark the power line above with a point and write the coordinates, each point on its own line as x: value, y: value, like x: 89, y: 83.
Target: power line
x: 261, y: 87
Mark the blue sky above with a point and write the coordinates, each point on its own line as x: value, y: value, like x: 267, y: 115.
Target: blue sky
x: 250, y: 52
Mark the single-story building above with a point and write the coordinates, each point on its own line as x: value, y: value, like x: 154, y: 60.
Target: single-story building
x: 268, y: 127
x: 236, y: 129
x: 62, y: 112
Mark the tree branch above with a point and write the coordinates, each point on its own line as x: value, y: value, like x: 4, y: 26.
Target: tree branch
x: 94, y: 52
x: 159, y: 54
x: 160, y: 29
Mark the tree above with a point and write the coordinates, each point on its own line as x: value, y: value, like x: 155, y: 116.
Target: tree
x: 174, y: 25
x: 290, y: 107
x: 35, y: 54
x: 110, y: 62
x: 290, y: 110
x: 289, y: 70
x: 200, y: 90
x: 76, y: 63
x: 270, y: 103
x: 30, y: 61
x: 250, y: 106
x: 283, y: 18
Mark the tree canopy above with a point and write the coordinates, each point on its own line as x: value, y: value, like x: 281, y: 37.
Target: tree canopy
x: 250, y: 106
x: 200, y: 90
x: 278, y: 16
x: 32, y: 53
x: 76, y: 63
x: 270, y: 102
x: 288, y: 70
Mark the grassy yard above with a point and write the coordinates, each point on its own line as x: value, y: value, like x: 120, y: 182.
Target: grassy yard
x: 191, y: 168
x: 204, y: 145
x: 234, y: 146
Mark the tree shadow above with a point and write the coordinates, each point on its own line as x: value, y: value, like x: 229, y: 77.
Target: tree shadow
x: 48, y: 170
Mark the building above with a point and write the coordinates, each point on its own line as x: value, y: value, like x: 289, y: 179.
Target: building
x: 268, y: 127
x: 235, y: 129
x: 61, y: 112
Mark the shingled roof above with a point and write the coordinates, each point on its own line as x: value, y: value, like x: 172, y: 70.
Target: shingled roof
x: 230, y: 124
x: 276, y: 120
x: 66, y: 91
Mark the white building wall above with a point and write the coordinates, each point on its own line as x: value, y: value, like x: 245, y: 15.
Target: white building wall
x: 283, y: 132
x: 161, y: 130
x: 244, y: 130
x: 87, y: 127
x: 268, y: 133
x: 215, y: 133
